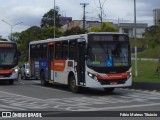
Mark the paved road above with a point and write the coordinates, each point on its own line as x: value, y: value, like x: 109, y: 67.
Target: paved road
x: 29, y: 95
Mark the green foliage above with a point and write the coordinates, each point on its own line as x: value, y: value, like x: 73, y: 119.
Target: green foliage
x: 74, y: 31
x: 150, y: 53
x: 15, y: 36
x: 95, y: 29
x: 106, y: 27
x: 48, y: 19
x: 31, y: 34
x: 152, y: 36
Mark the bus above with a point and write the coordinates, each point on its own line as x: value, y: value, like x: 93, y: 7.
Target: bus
x: 92, y: 60
x: 8, y: 61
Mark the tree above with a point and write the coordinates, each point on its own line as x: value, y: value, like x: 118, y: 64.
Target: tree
x: 101, y: 5
x: 106, y: 27
x: 48, y: 19
x: 32, y: 34
x: 152, y: 36
x: 15, y: 36
x: 74, y: 31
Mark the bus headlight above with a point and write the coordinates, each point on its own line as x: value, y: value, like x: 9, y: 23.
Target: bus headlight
x: 16, y: 70
x: 27, y: 71
x: 93, y: 76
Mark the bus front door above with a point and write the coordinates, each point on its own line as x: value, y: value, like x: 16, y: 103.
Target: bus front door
x: 81, y: 63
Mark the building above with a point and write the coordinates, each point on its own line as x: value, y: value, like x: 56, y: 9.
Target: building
x: 156, y: 17
x: 129, y: 28
x: 79, y: 23
x: 65, y: 20
x: 72, y: 24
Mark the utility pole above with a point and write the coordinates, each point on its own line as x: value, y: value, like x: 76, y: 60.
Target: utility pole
x: 135, y: 37
x: 84, y: 17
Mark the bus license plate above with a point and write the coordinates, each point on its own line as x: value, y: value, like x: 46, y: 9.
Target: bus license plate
x: 1, y: 76
x: 113, y: 83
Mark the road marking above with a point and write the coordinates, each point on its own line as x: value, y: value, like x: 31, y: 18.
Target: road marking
x: 36, y: 81
x: 22, y: 83
x: 20, y: 95
x: 131, y: 99
x: 120, y: 107
x: 11, y: 107
x: 51, y: 89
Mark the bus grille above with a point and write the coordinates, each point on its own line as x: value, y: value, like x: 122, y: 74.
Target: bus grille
x: 110, y: 82
x: 5, y: 75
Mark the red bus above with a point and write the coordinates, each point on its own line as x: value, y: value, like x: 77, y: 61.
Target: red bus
x: 93, y: 60
x: 8, y: 61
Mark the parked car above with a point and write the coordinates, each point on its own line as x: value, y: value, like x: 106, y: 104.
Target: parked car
x: 25, y: 71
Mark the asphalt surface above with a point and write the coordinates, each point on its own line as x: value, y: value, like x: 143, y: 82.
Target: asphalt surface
x: 29, y: 95
x: 146, y: 86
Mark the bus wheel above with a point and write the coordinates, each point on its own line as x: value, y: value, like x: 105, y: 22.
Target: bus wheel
x: 11, y: 82
x: 72, y: 85
x: 109, y: 90
x: 43, y: 82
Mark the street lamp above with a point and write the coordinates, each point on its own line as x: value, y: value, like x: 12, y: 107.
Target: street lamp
x: 12, y: 26
x: 135, y: 37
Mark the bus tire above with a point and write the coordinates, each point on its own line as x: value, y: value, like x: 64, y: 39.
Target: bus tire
x: 11, y: 82
x: 109, y: 90
x: 43, y: 82
x: 72, y: 85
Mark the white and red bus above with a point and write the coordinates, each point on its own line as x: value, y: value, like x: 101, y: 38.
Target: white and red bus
x: 8, y: 61
x: 93, y: 60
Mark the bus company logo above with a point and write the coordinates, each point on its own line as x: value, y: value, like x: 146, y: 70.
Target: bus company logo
x: 6, y: 114
x: 17, y: 114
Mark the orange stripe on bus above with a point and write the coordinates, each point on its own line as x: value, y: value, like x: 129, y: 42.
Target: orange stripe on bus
x: 58, y: 65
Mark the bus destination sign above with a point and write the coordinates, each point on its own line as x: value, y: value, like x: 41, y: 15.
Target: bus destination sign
x: 108, y: 38
x: 6, y: 45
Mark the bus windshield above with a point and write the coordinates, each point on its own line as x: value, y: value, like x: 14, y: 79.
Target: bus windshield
x: 7, y: 56
x: 108, y: 54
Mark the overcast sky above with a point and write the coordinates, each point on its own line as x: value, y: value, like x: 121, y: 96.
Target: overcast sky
x: 30, y: 12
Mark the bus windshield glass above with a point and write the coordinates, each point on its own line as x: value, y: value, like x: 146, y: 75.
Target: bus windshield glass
x: 108, y: 53
x: 7, y: 56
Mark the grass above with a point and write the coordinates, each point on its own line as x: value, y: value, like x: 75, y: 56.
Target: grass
x: 139, y: 42
x: 150, y: 53
x: 146, y: 71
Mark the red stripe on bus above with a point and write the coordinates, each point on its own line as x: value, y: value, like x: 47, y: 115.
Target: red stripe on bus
x: 8, y: 71
x: 118, y: 76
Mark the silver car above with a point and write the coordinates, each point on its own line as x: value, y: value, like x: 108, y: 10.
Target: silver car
x: 25, y: 71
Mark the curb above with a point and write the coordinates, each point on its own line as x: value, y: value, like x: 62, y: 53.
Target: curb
x: 145, y: 86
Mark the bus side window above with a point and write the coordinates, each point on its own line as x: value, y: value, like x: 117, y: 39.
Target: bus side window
x: 44, y: 51
x: 38, y: 51
x: 72, y: 50
x: 58, y: 51
x: 32, y: 51
x: 65, y: 50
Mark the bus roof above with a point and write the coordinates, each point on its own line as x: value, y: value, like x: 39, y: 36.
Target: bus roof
x: 73, y: 37
x: 7, y: 42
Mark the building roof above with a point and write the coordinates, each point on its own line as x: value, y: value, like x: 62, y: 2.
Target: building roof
x: 131, y: 25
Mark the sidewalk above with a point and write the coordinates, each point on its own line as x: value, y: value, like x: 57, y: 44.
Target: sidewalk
x: 146, y: 59
x: 146, y: 86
